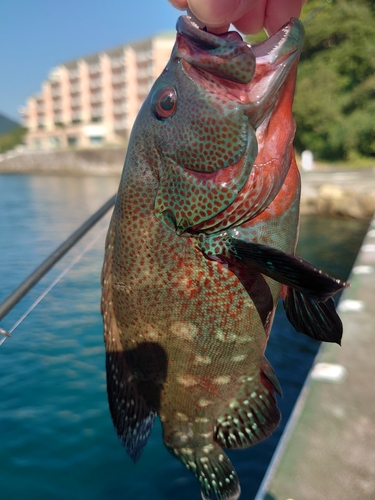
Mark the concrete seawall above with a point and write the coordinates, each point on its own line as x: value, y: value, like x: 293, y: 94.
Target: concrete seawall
x: 327, y: 450
x: 330, y: 191
x: 73, y: 162
x: 339, y: 192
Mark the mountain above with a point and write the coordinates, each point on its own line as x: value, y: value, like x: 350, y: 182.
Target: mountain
x: 7, y: 125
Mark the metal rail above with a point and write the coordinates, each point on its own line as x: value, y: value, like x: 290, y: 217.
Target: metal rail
x: 8, y: 304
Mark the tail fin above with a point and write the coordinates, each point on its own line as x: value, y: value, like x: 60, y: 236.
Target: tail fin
x: 213, y: 470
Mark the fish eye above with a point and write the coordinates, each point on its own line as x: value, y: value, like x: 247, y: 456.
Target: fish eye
x: 164, y: 102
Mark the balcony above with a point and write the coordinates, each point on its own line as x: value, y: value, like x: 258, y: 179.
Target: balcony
x: 56, y: 91
x: 58, y: 121
x: 94, y: 69
x: 143, y: 90
x: 76, y: 101
x: 117, y: 63
x: 118, y: 77
x: 97, y: 111
x: 95, y: 83
x: 73, y: 74
x: 74, y: 89
x: 96, y: 98
x: 144, y: 56
x: 120, y: 124
x: 76, y: 117
x: 118, y: 93
x: 120, y: 108
x: 145, y: 73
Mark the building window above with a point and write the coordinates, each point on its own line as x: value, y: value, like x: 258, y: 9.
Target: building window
x: 96, y: 139
x: 96, y: 119
x: 54, y: 142
x: 72, y: 140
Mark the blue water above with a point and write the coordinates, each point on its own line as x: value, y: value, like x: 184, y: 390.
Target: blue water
x: 57, y: 440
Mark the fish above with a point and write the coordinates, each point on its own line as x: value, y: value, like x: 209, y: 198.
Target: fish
x: 200, y: 248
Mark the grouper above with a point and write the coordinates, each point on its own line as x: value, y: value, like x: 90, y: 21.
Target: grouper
x: 200, y: 248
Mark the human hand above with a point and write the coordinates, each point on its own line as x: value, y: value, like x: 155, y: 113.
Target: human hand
x: 248, y: 16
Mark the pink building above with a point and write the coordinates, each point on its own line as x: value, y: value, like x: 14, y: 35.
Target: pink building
x: 94, y: 100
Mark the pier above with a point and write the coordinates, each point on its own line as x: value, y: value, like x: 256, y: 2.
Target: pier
x: 327, y: 450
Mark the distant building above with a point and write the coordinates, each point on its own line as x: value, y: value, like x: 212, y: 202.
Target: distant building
x: 95, y: 99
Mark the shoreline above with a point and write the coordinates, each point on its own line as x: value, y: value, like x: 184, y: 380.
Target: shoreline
x: 325, y: 191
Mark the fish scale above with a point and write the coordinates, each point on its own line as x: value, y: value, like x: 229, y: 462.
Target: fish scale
x: 200, y: 248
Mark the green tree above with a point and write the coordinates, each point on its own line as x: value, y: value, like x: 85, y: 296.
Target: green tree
x: 334, y: 104
x: 12, y: 139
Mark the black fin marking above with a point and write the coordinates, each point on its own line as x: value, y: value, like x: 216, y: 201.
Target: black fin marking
x: 254, y: 415
x: 131, y: 415
x: 287, y: 269
x: 213, y: 470
x: 318, y: 320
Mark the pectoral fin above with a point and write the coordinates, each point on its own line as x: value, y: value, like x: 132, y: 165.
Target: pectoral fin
x: 289, y: 270
x: 308, y: 302
x: 318, y: 320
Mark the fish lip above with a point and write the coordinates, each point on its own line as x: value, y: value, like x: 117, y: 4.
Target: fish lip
x: 268, y: 49
x: 206, y: 58
x: 275, y: 48
x: 200, y: 37
x: 225, y: 56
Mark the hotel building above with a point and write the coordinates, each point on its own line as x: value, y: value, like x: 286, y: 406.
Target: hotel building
x: 94, y: 100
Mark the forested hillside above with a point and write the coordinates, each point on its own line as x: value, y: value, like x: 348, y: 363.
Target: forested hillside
x: 7, y: 125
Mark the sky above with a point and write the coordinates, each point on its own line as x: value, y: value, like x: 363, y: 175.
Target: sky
x: 36, y: 35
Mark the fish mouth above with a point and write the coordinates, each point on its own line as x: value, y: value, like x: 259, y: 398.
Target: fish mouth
x: 227, y: 65
x: 226, y: 56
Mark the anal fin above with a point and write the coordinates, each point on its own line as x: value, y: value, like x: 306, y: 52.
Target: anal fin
x: 254, y: 414
x: 319, y: 320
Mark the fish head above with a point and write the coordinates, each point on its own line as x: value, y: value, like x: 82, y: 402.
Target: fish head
x: 207, y: 119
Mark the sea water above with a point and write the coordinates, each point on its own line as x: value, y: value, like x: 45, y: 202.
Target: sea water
x: 56, y: 436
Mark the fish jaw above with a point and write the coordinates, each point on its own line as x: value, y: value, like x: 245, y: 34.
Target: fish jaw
x: 250, y: 75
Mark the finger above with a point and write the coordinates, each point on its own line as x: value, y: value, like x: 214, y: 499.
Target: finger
x: 179, y: 4
x: 278, y: 12
x: 219, y: 13
x: 253, y: 20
